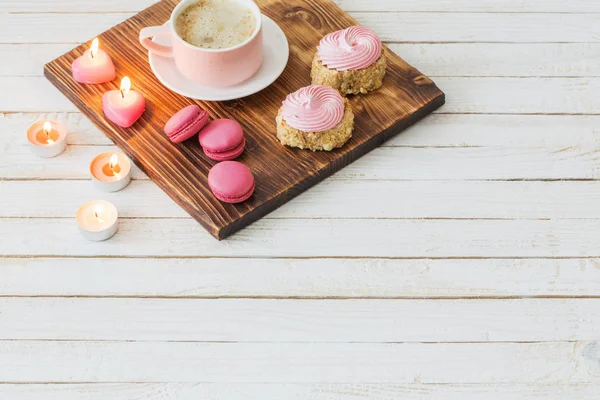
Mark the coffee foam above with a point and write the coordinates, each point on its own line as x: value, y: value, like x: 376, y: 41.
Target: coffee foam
x: 216, y: 24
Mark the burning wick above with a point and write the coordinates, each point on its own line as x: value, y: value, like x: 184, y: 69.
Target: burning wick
x: 94, y: 48
x: 114, y: 161
x: 98, y: 212
x: 125, y: 86
x: 48, y: 131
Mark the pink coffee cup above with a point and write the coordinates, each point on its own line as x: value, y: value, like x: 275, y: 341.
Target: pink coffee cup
x: 210, y: 67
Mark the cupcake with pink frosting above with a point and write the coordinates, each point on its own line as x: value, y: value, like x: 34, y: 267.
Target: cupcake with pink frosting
x: 315, y: 117
x: 352, y: 61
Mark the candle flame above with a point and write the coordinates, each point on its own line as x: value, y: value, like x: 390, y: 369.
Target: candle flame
x: 98, y: 212
x: 94, y: 48
x: 47, y: 131
x: 47, y: 127
x: 114, y: 160
x: 125, y: 86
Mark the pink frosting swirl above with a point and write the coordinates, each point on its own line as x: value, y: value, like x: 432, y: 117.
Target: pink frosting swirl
x: 353, y: 48
x: 313, y: 108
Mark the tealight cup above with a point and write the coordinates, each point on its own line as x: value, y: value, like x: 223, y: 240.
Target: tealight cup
x: 98, y: 220
x: 47, y: 139
x: 111, y: 172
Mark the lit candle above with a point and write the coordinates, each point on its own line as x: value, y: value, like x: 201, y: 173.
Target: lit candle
x: 47, y: 138
x: 94, y: 66
x: 111, y: 172
x: 124, y: 106
x: 98, y: 220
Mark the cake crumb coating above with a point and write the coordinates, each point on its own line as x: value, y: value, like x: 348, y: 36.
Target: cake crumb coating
x: 350, y: 82
x: 327, y: 140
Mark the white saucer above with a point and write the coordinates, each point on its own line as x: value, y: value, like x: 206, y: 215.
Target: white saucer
x: 276, y: 55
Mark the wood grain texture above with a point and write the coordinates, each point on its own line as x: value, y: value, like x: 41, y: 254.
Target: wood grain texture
x: 384, y: 163
x: 300, y: 321
x: 299, y: 278
x: 549, y: 133
x: 77, y: 362
x: 481, y: 6
x: 281, y: 173
x: 433, y: 59
x: 297, y: 391
x: 466, y: 95
x: 491, y: 6
x: 403, y: 27
x: 334, y: 198
x: 489, y: 59
x: 448, y: 166
x: 334, y: 238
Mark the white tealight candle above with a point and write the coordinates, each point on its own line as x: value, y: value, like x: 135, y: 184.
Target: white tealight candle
x: 111, y: 172
x: 98, y: 220
x: 47, y: 138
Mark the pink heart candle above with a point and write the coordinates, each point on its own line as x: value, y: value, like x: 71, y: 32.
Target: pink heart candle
x: 94, y: 66
x: 125, y: 106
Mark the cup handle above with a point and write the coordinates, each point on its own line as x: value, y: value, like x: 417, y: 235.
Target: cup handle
x: 145, y: 40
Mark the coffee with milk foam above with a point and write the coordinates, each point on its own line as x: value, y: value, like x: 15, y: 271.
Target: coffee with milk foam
x: 216, y: 24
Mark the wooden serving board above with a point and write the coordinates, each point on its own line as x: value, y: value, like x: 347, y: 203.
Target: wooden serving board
x: 281, y: 173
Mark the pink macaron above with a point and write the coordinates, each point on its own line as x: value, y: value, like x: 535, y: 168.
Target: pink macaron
x: 222, y: 140
x: 186, y: 123
x: 231, y: 182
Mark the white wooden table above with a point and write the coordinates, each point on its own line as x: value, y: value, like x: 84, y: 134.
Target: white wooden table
x: 459, y: 261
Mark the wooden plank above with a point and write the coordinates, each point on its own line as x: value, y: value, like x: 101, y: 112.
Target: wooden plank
x: 489, y: 59
x: 501, y: 147
x: 465, y: 95
x: 386, y: 163
x: 76, y: 6
x: 439, y: 27
x: 104, y: 6
x: 31, y: 94
x: 299, y: 321
x: 80, y: 129
x: 300, y: 278
x: 57, y: 362
x: 182, y: 170
x: 529, y: 363
x: 509, y: 131
x: 491, y: 6
x: 19, y: 163
x: 545, y: 95
x: 335, y: 198
x: 552, y: 132
x: 328, y: 238
x: 297, y: 391
x: 56, y: 28
x: 483, y: 27
x: 443, y: 59
x: 28, y: 59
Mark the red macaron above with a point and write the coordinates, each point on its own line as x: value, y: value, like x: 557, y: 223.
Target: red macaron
x: 222, y: 140
x: 186, y: 123
x: 231, y: 182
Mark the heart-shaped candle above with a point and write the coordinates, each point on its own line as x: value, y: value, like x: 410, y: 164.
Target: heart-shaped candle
x: 94, y: 66
x: 124, y: 106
